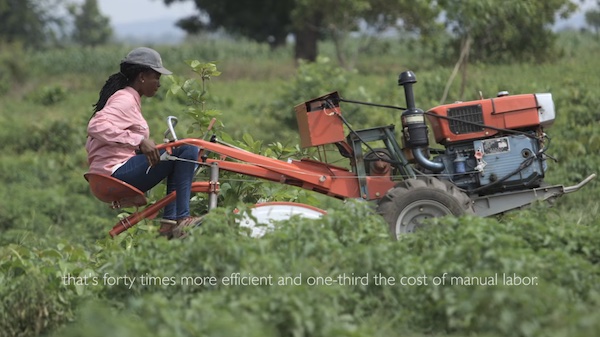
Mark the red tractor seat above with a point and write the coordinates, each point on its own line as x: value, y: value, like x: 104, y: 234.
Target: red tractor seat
x: 114, y: 191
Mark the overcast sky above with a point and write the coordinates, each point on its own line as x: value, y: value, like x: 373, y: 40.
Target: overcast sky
x: 130, y: 11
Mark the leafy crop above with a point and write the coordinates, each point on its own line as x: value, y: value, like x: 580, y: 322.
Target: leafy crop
x: 562, y: 258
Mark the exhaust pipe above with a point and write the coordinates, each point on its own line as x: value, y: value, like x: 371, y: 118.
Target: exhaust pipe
x: 414, y: 128
x: 433, y: 166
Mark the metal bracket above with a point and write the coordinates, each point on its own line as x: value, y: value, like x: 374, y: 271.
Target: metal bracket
x: 506, y: 201
x: 214, y: 186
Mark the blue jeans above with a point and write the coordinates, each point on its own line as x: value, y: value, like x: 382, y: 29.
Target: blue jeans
x: 179, y: 176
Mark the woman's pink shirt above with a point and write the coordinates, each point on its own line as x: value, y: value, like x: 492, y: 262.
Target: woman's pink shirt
x: 116, y: 131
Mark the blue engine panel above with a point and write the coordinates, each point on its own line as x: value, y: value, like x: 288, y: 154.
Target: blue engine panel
x: 503, y: 158
x: 494, y: 164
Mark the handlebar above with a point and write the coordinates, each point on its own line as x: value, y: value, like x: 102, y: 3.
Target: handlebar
x: 171, y: 122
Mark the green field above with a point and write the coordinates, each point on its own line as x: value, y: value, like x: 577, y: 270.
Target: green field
x: 60, y: 274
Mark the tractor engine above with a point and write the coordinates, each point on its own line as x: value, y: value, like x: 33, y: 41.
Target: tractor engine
x: 493, y: 145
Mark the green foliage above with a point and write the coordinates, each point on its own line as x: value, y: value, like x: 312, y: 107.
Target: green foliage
x: 91, y: 27
x: 196, y: 95
x: 51, y: 136
x: 316, y: 79
x: 49, y: 95
x: 34, y: 23
x: 242, y: 19
x: 39, y: 24
x: 46, y: 194
x: 12, y: 67
x: 312, y: 80
x: 592, y: 17
x: 35, y: 300
x: 497, y: 31
x: 336, y: 20
x: 95, y: 62
x: 562, y: 258
x: 235, y: 188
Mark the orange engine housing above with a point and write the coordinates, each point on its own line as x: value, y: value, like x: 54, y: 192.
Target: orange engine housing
x: 463, y: 121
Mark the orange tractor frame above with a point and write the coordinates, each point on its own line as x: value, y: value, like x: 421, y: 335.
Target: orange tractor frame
x: 494, y: 160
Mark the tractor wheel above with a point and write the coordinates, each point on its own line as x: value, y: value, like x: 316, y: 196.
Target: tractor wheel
x: 412, y: 201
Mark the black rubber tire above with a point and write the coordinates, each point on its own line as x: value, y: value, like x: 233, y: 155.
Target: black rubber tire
x: 410, y: 202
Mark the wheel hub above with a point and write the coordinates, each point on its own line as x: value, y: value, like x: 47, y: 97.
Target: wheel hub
x: 413, y: 215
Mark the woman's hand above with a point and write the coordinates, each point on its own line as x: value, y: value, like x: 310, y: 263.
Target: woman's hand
x: 148, y: 147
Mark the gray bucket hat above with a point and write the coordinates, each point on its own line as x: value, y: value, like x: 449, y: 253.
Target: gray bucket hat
x: 147, y: 57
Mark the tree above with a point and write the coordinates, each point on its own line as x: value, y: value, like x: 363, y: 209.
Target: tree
x: 592, y: 17
x: 263, y: 21
x: 513, y: 30
x: 308, y: 20
x: 32, y: 22
x: 91, y: 28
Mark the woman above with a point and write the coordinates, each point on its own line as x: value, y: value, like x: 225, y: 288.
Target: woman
x: 117, y: 130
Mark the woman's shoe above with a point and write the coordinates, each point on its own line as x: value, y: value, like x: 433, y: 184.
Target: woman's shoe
x: 180, y: 231
x: 166, y: 228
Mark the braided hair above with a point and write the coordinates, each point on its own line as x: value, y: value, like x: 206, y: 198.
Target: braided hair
x: 127, y: 74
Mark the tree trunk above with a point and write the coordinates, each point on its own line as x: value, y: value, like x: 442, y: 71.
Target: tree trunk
x: 460, y: 64
x: 464, y: 65
x: 338, y: 42
x: 307, y: 37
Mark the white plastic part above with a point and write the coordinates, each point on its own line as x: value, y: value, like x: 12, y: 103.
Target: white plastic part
x: 546, y: 111
x: 263, y: 217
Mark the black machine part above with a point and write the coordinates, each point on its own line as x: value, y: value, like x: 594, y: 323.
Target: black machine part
x: 414, y: 128
x: 413, y: 119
